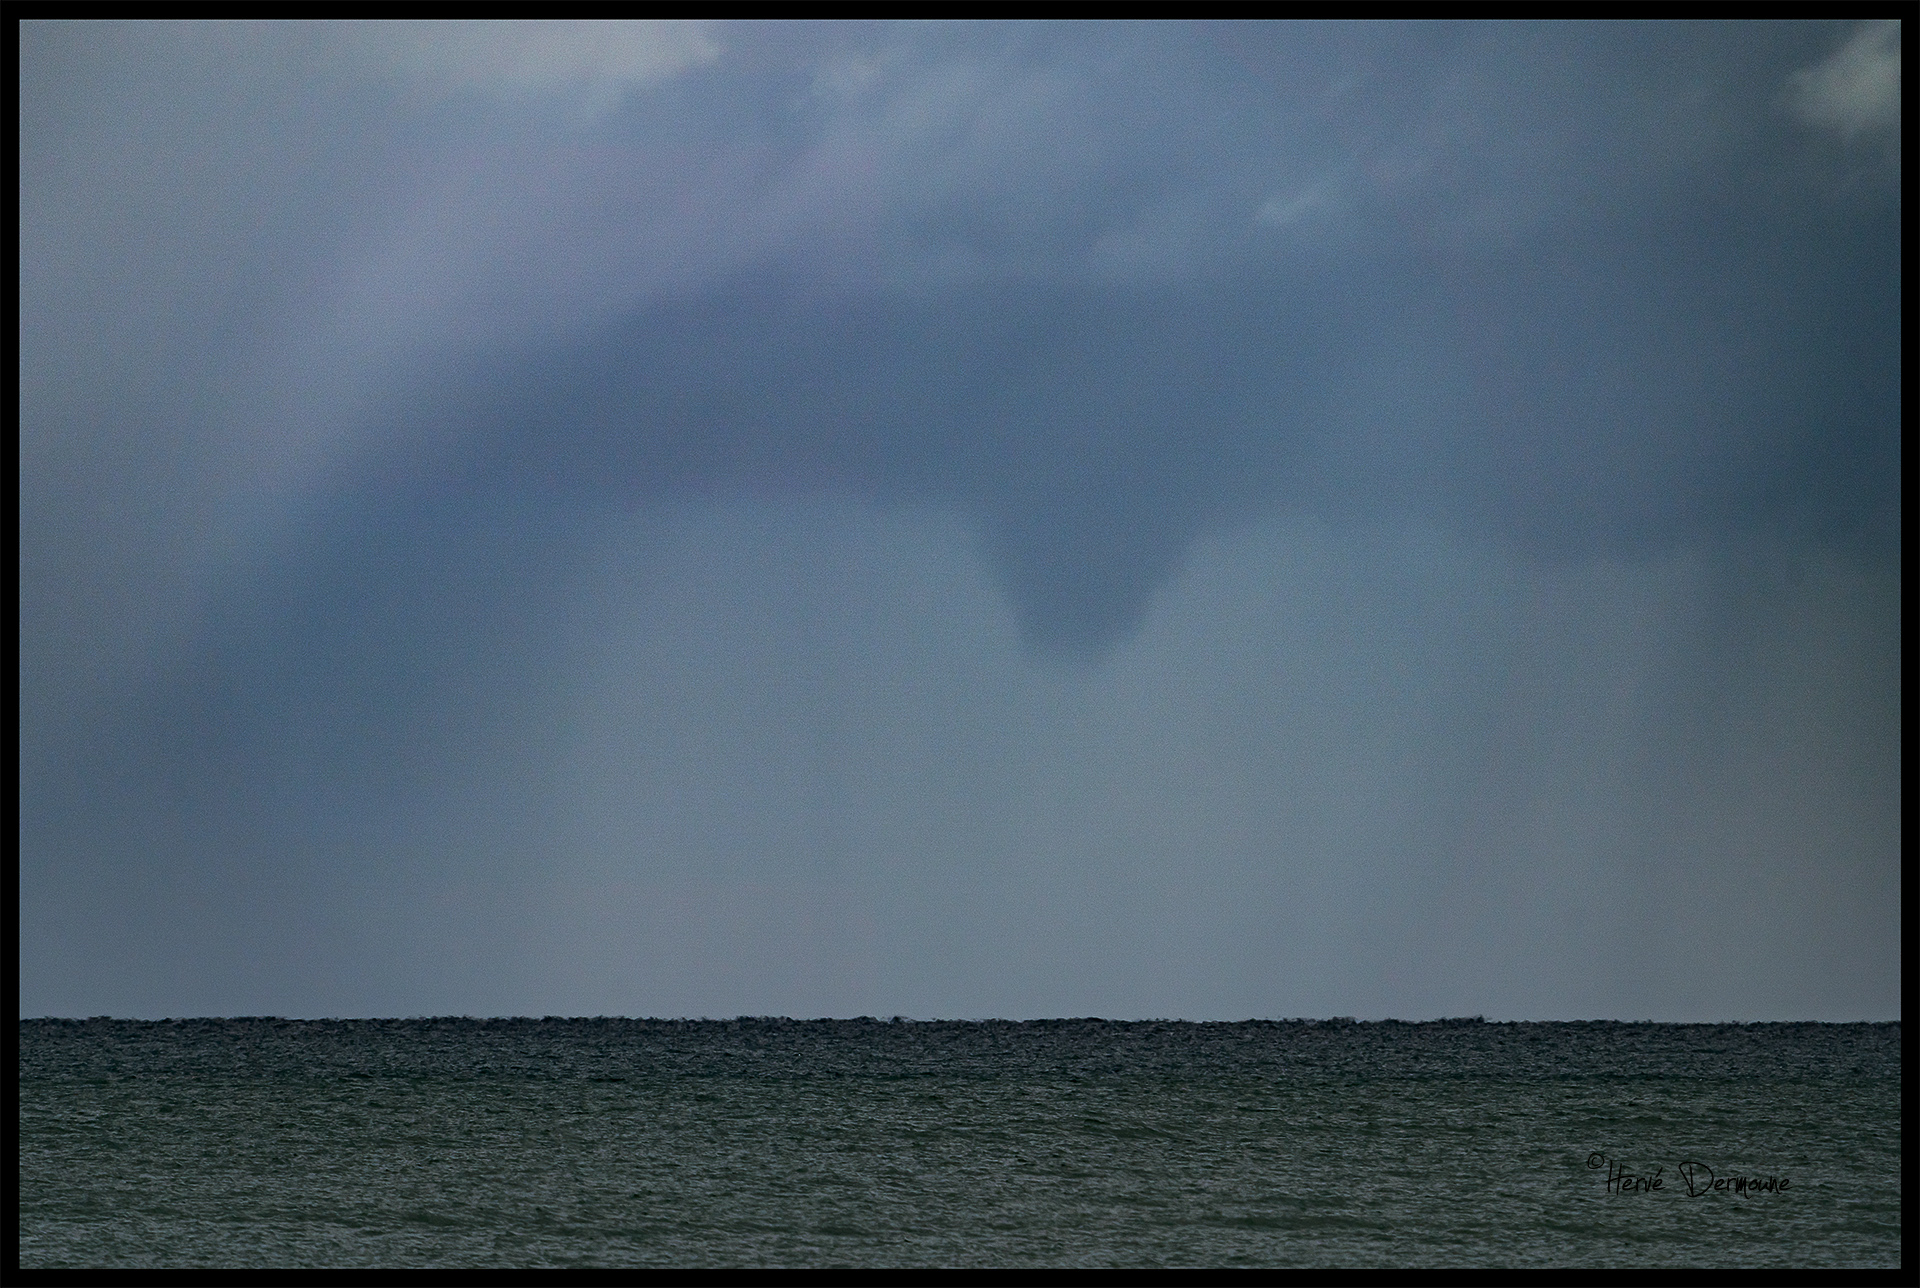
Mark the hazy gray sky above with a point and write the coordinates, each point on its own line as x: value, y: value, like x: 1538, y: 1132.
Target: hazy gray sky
x: 1145, y: 520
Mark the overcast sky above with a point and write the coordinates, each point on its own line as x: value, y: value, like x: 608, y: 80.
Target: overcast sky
x: 1132, y: 520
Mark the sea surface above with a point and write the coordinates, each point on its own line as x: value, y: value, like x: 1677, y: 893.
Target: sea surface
x: 614, y: 1142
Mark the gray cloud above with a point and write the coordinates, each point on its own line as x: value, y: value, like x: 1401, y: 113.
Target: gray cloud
x: 1856, y: 89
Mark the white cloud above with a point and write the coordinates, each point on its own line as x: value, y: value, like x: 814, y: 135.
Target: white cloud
x: 596, y: 62
x: 1857, y: 89
x: 1290, y: 210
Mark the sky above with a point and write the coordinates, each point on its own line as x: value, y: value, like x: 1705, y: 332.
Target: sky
x: 1145, y: 520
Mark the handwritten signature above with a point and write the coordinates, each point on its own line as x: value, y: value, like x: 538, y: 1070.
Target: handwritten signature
x: 1696, y: 1176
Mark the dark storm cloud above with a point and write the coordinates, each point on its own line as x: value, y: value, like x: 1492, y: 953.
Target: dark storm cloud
x: 1590, y: 287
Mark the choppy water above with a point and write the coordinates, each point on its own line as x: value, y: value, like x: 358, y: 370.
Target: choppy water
x: 1074, y: 1142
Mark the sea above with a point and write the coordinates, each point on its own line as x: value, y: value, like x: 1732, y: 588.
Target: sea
x: 462, y: 1142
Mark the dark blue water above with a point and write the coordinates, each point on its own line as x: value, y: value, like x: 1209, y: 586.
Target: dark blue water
x: 458, y: 1142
